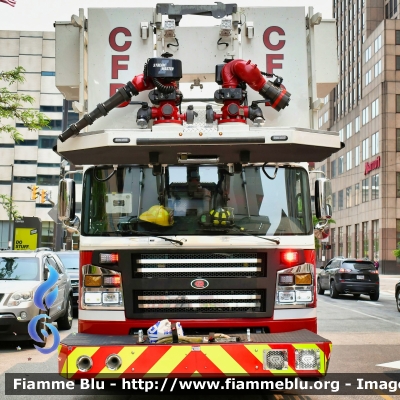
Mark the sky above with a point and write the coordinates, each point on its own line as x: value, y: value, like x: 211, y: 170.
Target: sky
x: 39, y: 15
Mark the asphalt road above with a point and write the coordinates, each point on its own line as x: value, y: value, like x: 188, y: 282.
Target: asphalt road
x: 364, y: 334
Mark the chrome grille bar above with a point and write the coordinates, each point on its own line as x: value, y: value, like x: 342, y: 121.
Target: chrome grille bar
x: 201, y: 305
x: 201, y: 261
x: 204, y: 297
x: 199, y: 269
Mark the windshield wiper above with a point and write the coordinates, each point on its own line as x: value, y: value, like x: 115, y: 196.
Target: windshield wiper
x: 241, y: 231
x: 145, y: 233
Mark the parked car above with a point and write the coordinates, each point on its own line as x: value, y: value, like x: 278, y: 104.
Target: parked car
x: 397, y: 291
x: 349, y: 275
x: 21, y: 273
x: 70, y: 259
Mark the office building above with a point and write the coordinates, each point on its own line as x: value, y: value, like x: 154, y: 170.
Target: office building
x: 365, y: 109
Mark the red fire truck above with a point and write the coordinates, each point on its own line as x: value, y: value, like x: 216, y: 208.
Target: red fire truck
x: 196, y: 204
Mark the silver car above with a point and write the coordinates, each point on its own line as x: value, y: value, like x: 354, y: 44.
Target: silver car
x: 21, y: 273
x: 70, y: 259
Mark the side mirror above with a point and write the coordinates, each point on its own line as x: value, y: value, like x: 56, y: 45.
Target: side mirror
x: 323, y: 198
x: 321, y: 267
x: 66, y: 200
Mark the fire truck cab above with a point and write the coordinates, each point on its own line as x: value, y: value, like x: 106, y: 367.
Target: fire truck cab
x: 196, y: 200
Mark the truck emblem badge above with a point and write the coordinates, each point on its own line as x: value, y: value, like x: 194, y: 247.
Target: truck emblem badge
x: 199, y: 284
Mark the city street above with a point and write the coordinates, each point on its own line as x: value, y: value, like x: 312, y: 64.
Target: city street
x: 365, y: 335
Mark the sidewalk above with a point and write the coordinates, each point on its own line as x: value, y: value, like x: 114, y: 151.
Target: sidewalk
x: 388, y: 282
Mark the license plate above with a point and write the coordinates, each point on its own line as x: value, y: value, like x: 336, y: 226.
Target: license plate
x: 360, y: 276
x: 75, y: 294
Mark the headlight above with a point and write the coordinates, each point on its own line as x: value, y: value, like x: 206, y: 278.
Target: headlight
x: 101, y: 289
x: 19, y: 297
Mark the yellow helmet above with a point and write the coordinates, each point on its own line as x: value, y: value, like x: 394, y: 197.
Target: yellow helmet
x: 158, y: 215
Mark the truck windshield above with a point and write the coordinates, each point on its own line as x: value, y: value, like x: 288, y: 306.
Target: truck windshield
x: 196, y: 200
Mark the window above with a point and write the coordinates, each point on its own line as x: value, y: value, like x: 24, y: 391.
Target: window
x: 368, y: 54
x: 377, y: 68
x: 368, y: 78
x: 356, y: 241
x: 340, y: 232
x: 326, y: 117
x: 348, y: 160
x: 48, y: 73
x: 51, y: 108
x: 357, y: 124
x: 375, y: 108
x: 365, y: 239
x: 398, y: 184
x: 375, y: 187
x: 397, y: 37
x: 348, y: 197
x: 397, y: 235
x: 333, y: 242
x: 397, y: 139
x: 54, y: 124
x: 25, y: 179
x: 348, y: 239
x: 25, y: 162
x: 27, y: 143
x: 49, y: 165
x: 378, y: 43
x: 48, y: 180
x: 365, y: 190
x: 397, y: 103
x: 375, y: 144
x: 319, y: 122
x: 397, y: 63
x: 375, y: 239
x: 341, y: 135
x: 340, y: 200
x: 323, y: 168
x: 340, y: 165
x: 348, y: 131
x: 356, y: 194
x: 334, y: 201
x: 365, y: 115
x: 365, y: 149
x: 47, y: 142
x: 333, y: 168
x: 357, y: 156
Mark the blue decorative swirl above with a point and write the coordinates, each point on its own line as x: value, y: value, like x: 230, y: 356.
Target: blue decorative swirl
x: 39, y: 296
x: 33, y: 333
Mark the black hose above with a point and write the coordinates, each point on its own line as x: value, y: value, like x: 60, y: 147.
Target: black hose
x: 163, y: 88
x: 266, y: 173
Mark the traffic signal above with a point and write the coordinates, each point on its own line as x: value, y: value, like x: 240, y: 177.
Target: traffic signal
x: 34, y: 192
x: 43, y: 195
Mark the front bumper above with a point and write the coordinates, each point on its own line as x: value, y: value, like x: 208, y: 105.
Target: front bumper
x: 358, y: 287
x: 208, y: 360
x: 13, y: 329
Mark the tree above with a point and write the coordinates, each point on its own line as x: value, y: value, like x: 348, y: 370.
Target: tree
x: 11, y: 106
x: 396, y: 252
x: 8, y: 204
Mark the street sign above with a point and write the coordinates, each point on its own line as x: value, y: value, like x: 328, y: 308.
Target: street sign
x: 53, y: 213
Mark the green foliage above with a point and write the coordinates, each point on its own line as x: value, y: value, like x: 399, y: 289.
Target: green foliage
x: 7, y: 203
x: 396, y: 252
x: 11, y: 106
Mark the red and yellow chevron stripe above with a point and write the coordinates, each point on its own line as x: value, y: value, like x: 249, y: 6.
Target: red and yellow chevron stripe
x: 182, y: 360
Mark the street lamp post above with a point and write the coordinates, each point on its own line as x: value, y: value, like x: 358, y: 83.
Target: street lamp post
x: 9, y: 216
x: 11, y: 206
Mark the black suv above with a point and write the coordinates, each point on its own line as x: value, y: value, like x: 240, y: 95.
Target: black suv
x: 349, y: 276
